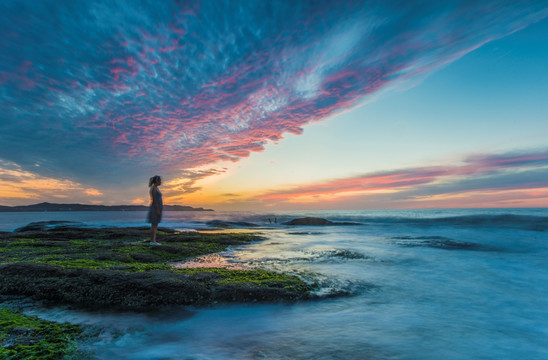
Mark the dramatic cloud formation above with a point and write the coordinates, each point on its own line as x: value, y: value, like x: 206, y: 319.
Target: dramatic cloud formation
x: 477, y: 174
x: 111, y: 91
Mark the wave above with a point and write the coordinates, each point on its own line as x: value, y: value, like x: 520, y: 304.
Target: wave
x: 439, y: 242
x: 524, y: 222
x: 422, y: 219
x: 526, y: 219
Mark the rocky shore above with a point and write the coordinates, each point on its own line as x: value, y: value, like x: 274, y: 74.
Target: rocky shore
x: 116, y: 268
x: 29, y: 337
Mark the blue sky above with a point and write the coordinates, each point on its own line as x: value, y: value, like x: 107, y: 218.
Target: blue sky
x: 491, y: 101
x: 275, y: 104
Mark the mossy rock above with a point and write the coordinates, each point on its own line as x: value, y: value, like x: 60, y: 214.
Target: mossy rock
x: 29, y: 337
x: 145, y: 290
x: 115, y: 268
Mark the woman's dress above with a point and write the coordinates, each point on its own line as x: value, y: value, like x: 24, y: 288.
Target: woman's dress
x: 156, y: 197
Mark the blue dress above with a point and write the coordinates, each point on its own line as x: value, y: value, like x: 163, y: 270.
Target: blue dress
x: 156, y: 197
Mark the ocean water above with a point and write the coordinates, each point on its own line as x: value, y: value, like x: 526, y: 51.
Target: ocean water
x: 413, y: 284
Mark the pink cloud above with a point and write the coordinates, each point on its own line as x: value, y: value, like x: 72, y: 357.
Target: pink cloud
x: 488, y: 168
x: 175, y: 85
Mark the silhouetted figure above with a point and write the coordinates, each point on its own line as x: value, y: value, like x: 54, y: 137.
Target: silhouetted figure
x: 155, y: 209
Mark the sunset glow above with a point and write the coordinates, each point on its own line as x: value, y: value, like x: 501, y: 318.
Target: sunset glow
x: 273, y: 105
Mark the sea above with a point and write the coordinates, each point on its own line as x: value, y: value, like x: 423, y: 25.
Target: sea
x: 402, y: 284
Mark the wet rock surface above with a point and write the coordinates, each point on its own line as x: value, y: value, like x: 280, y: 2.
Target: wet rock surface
x: 44, y: 225
x: 314, y: 221
x: 230, y: 224
x: 440, y: 242
x: 115, y: 268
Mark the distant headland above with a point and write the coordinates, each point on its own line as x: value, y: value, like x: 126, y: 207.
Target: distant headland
x: 45, y: 206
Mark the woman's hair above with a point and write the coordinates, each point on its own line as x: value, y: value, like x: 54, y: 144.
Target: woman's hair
x: 153, y: 180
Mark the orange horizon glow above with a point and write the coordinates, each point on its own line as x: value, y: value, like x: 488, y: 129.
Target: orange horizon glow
x: 398, y: 189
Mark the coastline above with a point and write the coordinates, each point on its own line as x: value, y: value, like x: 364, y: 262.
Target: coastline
x: 398, y: 293
x: 52, y: 207
x: 116, y: 269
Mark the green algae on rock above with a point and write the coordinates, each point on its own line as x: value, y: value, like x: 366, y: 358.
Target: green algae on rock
x: 29, y: 337
x: 115, y: 268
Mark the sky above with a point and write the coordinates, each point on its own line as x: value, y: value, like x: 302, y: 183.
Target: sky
x: 272, y: 105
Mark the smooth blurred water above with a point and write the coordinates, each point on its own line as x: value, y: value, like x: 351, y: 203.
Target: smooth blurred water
x: 428, y: 284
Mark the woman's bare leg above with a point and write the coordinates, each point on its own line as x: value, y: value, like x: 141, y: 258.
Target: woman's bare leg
x: 153, y: 229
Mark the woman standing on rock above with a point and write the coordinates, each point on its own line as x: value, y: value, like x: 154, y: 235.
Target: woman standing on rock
x: 155, y: 209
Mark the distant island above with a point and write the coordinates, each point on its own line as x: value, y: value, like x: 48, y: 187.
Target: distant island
x: 45, y: 206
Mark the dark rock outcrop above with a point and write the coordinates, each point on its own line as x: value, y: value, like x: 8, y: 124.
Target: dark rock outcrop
x: 45, y: 225
x: 121, y: 290
x: 230, y: 224
x: 116, y: 269
x: 313, y: 221
x: 440, y: 242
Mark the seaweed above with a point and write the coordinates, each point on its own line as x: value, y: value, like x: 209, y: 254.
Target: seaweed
x: 116, y: 268
x: 29, y: 337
